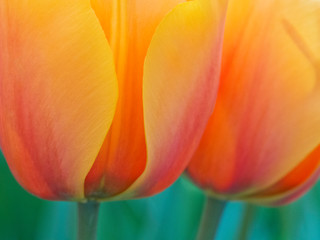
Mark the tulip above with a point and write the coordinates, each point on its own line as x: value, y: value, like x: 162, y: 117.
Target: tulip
x: 261, y: 143
x: 105, y: 99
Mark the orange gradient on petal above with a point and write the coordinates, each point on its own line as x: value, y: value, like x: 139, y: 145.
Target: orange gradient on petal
x: 129, y: 26
x: 267, y: 114
x: 294, y: 178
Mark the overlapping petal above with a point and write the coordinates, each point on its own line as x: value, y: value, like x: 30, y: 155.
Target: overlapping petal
x: 267, y: 116
x: 65, y: 132
x: 293, y: 185
x: 180, y: 82
x: 129, y: 26
x: 58, y: 93
x: 149, y: 135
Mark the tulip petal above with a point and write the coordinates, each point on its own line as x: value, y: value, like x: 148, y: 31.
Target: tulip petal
x: 129, y: 26
x: 293, y: 185
x: 267, y: 115
x: 58, y: 93
x: 181, y: 75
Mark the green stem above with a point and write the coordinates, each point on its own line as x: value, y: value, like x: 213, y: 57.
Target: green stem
x: 246, y: 222
x: 87, y: 220
x: 210, y: 219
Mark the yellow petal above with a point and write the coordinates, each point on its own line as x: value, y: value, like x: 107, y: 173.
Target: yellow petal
x: 58, y: 93
x: 181, y: 75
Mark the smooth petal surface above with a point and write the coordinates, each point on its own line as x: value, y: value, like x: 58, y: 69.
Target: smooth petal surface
x: 293, y: 185
x: 58, y: 93
x: 180, y: 82
x: 129, y: 26
x: 267, y: 118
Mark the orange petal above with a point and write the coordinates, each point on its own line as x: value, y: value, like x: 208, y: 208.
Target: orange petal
x: 58, y: 93
x: 180, y: 83
x: 129, y: 26
x: 267, y: 116
x: 293, y: 185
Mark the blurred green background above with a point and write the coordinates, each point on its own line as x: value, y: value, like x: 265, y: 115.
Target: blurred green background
x: 173, y: 214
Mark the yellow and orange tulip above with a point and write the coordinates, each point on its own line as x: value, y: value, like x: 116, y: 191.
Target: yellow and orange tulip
x: 262, y: 141
x: 105, y: 98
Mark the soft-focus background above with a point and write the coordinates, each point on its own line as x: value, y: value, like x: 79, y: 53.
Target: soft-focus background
x: 173, y: 214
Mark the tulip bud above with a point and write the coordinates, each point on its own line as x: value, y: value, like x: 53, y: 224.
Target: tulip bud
x: 262, y: 141
x: 105, y: 99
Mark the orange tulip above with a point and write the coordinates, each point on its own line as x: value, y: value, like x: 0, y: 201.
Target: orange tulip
x: 105, y: 99
x: 262, y: 141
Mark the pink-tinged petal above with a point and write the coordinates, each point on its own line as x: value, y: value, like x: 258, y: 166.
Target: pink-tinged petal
x: 181, y: 75
x: 267, y: 115
x: 58, y: 93
x: 129, y: 26
x: 293, y: 185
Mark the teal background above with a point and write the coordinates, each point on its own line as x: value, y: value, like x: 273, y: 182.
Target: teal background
x: 171, y: 215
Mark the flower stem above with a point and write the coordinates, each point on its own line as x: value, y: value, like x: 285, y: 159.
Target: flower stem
x: 210, y: 219
x: 246, y: 222
x: 87, y: 220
